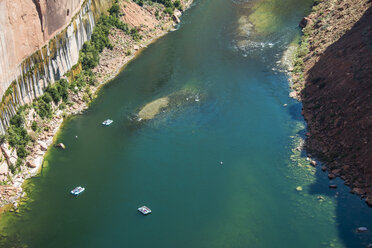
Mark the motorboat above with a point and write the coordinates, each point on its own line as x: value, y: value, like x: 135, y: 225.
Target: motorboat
x: 144, y: 210
x: 77, y: 191
x: 107, y: 122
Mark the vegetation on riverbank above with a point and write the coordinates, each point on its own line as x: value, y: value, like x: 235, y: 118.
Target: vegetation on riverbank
x: 168, y: 4
x: 301, y: 51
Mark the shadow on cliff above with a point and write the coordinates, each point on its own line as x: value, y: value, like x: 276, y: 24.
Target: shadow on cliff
x: 337, y: 102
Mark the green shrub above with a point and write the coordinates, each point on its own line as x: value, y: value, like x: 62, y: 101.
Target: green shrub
x: 19, y: 163
x: 43, y: 108
x: 22, y: 152
x: 62, y: 106
x: 17, y: 120
x: 178, y: 5
x: 115, y: 8
x: 47, y: 97
x: 140, y: 2
x: 17, y: 135
x: 2, y: 138
x: 89, y: 56
x: 135, y: 34
x: 34, y: 126
x: 12, y: 168
x: 54, y: 93
x: 62, y: 88
x: 169, y: 10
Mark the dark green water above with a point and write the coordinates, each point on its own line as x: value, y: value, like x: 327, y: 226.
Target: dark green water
x: 172, y: 163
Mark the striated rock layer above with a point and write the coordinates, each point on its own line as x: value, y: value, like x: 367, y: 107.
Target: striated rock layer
x: 337, y: 98
x: 39, y: 42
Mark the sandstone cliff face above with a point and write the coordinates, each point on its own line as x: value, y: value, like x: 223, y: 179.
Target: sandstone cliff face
x: 39, y: 42
x: 27, y: 25
x: 337, y: 98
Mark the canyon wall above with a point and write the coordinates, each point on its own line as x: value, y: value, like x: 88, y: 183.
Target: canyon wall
x: 39, y: 42
x: 337, y: 94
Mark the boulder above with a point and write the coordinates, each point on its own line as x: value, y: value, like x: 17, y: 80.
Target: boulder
x: 357, y: 191
x: 30, y: 164
x: 299, y: 188
x: 61, y: 145
x: 305, y: 22
x: 331, y: 176
x: 324, y: 168
x: 369, y: 201
x: 313, y: 163
x: 177, y: 13
x: 135, y: 47
x: 332, y: 186
x: 43, y: 146
x: 293, y: 94
x: 175, y: 18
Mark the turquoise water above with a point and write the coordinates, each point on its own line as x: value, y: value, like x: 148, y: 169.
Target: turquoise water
x: 173, y: 163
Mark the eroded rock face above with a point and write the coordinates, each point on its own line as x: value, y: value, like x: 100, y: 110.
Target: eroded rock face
x: 25, y: 26
x: 337, y: 99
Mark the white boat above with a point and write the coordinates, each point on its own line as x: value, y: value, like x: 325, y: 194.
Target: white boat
x: 144, y: 210
x: 107, y: 122
x: 77, y: 191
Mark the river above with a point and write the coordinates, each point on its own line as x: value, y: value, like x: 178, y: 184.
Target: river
x: 220, y: 171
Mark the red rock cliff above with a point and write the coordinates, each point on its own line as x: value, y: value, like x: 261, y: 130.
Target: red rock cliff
x: 337, y: 95
x: 27, y: 25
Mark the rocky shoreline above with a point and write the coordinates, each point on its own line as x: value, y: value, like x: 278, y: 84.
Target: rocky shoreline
x: 151, y: 27
x: 331, y: 74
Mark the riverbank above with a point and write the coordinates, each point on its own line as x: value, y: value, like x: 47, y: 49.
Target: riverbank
x: 151, y: 26
x: 331, y: 75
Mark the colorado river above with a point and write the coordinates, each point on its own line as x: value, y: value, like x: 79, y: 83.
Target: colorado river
x: 218, y: 166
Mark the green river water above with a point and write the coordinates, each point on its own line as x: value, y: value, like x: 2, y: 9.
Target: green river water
x: 173, y: 163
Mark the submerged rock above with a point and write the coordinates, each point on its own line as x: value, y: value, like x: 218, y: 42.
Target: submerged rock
x: 153, y: 108
x: 331, y: 176
x: 172, y: 101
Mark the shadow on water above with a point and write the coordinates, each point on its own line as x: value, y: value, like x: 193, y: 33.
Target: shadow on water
x: 351, y: 212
